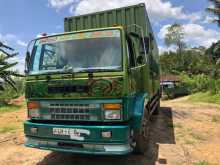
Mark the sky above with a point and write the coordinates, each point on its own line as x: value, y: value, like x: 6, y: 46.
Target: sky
x: 23, y: 20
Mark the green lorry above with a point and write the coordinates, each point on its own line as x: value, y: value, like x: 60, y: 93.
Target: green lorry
x: 93, y: 88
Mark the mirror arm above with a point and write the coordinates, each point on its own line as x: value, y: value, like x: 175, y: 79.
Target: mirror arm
x: 27, y: 62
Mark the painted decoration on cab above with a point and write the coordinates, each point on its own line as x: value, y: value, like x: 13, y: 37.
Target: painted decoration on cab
x: 105, y: 87
x: 96, y: 88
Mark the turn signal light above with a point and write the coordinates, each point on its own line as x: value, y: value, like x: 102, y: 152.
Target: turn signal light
x: 33, y: 105
x: 112, y: 106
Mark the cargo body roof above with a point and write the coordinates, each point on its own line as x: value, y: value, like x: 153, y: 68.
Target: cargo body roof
x: 125, y: 17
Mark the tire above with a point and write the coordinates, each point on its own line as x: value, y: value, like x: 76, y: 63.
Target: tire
x: 141, y: 138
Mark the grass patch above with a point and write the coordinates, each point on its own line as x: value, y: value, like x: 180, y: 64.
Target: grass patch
x: 206, y: 97
x: 189, y: 142
x: 177, y: 125
x: 179, y: 136
x: 197, y: 136
x: 10, y: 108
x: 7, y: 129
x: 216, y: 119
x: 203, y: 162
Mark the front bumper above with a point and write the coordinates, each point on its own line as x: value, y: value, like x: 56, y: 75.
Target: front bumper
x: 94, y: 149
x: 93, y: 143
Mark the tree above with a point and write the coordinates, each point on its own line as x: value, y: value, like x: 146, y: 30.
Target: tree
x: 214, y: 53
x: 194, y: 61
x: 175, y: 36
x: 215, y: 10
x: 9, y: 93
x: 6, y: 73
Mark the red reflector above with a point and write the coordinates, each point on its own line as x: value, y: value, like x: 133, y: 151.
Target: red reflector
x: 33, y: 105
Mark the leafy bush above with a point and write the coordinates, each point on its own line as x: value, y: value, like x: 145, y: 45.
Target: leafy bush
x: 201, y: 83
x: 195, y: 83
x: 9, y: 93
x: 214, y: 87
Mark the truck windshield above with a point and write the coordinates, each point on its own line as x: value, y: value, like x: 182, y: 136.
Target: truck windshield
x: 78, y: 52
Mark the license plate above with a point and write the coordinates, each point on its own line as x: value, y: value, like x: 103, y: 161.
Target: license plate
x: 75, y: 134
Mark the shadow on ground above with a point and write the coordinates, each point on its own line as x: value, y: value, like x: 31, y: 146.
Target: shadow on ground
x: 162, y: 132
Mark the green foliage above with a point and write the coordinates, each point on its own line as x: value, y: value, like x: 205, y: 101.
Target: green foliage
x: 214, y: 51
x: 203, y: 162
x: 201, y: 83
x: 9, y: 93
x: 9, y: 128
x: 216, y: 119
x: 6, y: 66
x: 206, y: 97
x: 168, y: 63
x: 196, y: 83
x: 215, y: 10
x: 10, y: 86
x: 194, y: 61
x: 175, y: 36
x: 214, y: 54
x: 199, y: 70
x: 10, y: 108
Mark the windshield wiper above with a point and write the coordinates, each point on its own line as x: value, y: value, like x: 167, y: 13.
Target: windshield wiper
x: 101, y: 70
x: 54, y: 72
x: 67, y: 70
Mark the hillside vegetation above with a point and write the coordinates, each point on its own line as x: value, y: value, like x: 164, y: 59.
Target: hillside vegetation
x: 197, y: 67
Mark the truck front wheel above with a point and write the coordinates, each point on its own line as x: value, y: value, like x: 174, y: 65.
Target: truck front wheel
x: 141, y: 137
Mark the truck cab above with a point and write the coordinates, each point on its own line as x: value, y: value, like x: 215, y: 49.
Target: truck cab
x: 91, y: 91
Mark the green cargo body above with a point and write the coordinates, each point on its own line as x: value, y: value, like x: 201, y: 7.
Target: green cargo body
x: 67, y: 110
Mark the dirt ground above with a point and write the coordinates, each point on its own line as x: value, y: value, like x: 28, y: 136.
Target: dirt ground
x: 184, y: 133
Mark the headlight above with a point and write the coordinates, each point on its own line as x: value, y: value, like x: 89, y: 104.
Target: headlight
x: 112, y: 114
x: 112, y: 111
x: 33, y: 113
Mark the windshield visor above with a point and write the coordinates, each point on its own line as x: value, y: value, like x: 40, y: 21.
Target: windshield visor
x: 79, y: 52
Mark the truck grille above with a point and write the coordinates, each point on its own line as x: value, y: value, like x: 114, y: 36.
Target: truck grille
x: 74, y: 112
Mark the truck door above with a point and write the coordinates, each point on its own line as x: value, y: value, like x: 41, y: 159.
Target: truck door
x: 136, y: 67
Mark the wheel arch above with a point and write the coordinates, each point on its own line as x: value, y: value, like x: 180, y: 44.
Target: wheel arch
x: 141, y: 100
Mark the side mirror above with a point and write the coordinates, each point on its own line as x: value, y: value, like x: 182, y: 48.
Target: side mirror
x: 27, y: 61
x: 140, y: 60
